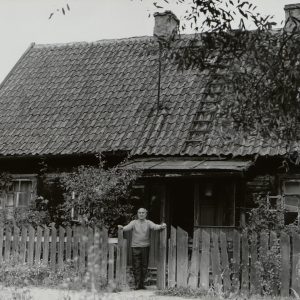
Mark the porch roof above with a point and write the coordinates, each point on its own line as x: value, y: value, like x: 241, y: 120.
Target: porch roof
x: 188, y: 164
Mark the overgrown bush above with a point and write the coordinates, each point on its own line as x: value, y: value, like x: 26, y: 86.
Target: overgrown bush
x: 98, y: 196
x: 264, y: 218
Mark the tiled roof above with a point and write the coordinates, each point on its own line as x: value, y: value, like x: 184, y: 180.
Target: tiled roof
x: 102, y: 96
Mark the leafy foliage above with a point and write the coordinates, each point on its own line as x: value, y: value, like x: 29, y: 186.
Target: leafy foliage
x: 100, y: 195
x: 256, y: 68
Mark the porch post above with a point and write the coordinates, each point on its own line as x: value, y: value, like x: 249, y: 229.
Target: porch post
x: 196, y: 205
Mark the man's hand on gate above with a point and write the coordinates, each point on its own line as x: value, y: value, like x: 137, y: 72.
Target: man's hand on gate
x: 163, y: 225
x: 120, y: 227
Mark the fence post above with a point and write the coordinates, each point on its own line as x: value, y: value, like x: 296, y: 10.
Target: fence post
x: 161, y: 268
x: 119, y: 256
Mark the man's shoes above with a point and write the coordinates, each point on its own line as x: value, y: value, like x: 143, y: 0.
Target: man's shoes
x: 142, y: 287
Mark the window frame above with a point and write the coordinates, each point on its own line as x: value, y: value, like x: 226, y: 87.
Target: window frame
x: 282, y: 181
x: 16, y: 195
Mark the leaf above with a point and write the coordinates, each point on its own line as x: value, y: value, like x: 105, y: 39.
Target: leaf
x: 51, y: 15
x: 68, y: 7
x: 63, y: 11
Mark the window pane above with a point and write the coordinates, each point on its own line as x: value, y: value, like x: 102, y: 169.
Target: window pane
x: 291, y: 204
x: 23, y: 199
x: 25, y: 186
x: 10, y: 200
x: 292, y: 187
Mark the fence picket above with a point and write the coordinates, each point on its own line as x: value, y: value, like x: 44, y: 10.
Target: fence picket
x: 123, y: 262
x: 7, y: 243
x: 236, y: 260
x: 82, y: 249
x: 53, y: 248
x: 104, y: 253
x: 172, y: 258
x: 1, y: 244
x: 97, y: 251
x: 161, y: 268
x: 215, y: 260
x: 254, y: 283
x: 225, y: 262
x: 76, y: 234
x: 274, y: 245
x: 119, y: 252
x: 285, y: 249
x: 245, y: 264
x: 31, y: 245
x: 15, y: 248
x: 38, y: 244
x: 68, y: 243
x: 111, y: 251
x: 182, y: 257
x: 195, y: 261
x: 46, y: 246
x: 61, y: 247
x: 23, y: 245
x: 204, y: 261
x: 296, y: 263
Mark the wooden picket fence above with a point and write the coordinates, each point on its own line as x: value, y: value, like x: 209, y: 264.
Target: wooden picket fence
x: 85, y: 248
x: 226, y: 260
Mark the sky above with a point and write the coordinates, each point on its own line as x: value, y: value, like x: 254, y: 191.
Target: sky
x: 25, y: 21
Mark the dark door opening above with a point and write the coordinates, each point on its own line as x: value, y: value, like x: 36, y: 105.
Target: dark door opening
x: 181, y: 197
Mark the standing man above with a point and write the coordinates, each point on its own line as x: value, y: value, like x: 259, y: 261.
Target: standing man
x: 140, y: 245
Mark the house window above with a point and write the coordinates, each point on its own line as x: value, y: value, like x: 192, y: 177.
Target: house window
x: 291, y: 192
x: 19, y: 193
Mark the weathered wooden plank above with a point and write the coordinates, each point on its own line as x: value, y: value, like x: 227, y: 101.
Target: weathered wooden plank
x: 204, y: 261
x: 245, y: 264
x: 68, y: 243
x: 274, y: 245
x: 285, y: 249
x: 215, y: 260
x: 76, y: 235
x: 90, y: 251
x: 254, y: 283
x: 111, y: 260
x: 1, y: 243
x: 7, y: 243
x: 236, y: 260
x: 23, y: 245
x: 172, y: 258
x: 119, y: 259
x: 182, y: 257
x: 82, y: 249
x: 16, y: 244
x: 38, y: 245
x: 195, y: 261
x: 61, y: 248
x: 161, y: 268
x: 53, y: 248
x: 225, y: 262
x: 104, y: 253
x: 97, y: 251
x: 31, y: 244
x: 296, y: 263
x: 124, y: 262
x: 46, y: 246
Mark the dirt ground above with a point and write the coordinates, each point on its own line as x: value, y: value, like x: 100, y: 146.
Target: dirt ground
x: 35, y: 293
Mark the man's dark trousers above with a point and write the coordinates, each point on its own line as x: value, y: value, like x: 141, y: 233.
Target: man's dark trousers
x: 140, y: 257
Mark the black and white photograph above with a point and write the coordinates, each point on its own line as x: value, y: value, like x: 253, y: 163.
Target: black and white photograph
x: 149, y: 149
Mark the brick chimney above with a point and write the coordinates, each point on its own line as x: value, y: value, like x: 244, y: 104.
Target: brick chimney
x: 292, y: 16
x: 166, y: 25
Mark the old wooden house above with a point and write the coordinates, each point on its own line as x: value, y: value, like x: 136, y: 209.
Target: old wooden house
x: 62, y: 104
